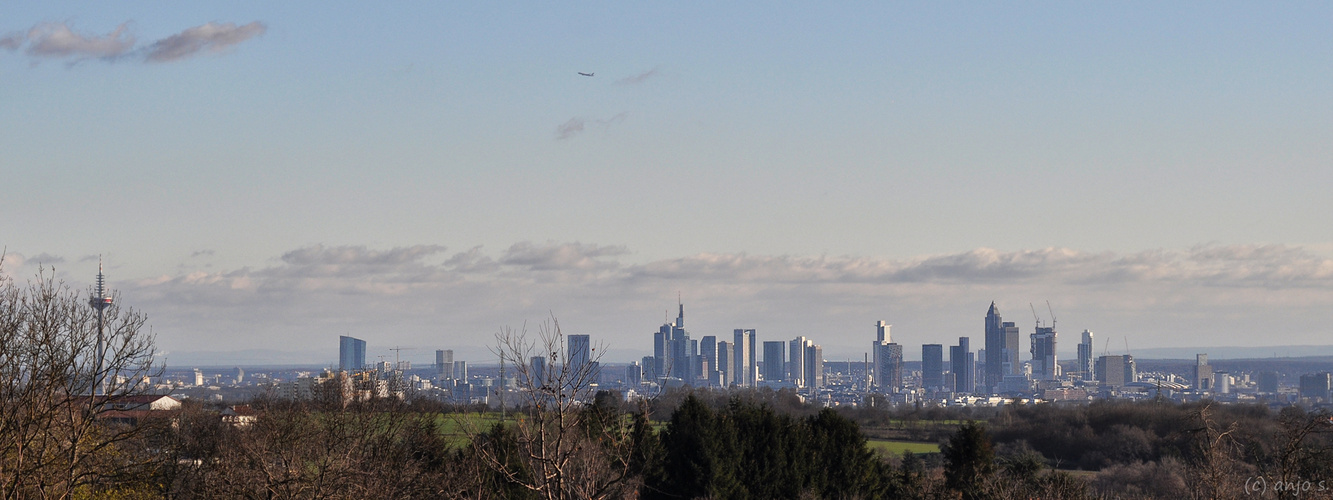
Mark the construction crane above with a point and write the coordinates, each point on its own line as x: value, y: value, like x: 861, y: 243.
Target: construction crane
x: 1034, y: 314
x: 396, y: 350
x: 1052, y: 311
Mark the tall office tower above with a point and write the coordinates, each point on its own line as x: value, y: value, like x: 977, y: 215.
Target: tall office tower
x: 580, y: 351
x: 680, y: 356
x: 796, y: 361
x: 814, y: 368
x: 696, y: 362
x: 1001, y: 348
x: 537, y: 370
x: 1268, y: 382
x: 963, y: 363
x: 708, y: 353
x: 882, y: 338
x: 646, y: 364
x: 671, y: 347
x: 743, y: 357
x: 1085, y: 357
x: 660, y: 340
x: 460, y: 371
x: 1316, y: 385
x: 444, y: 364
x: 351, y: 353
x: 932, y: 367
x: 633, y: 374
x: 1044, y: 365
x: 724, y: 365
x: 775, y: 365
x: 890, y: 370
x: 1203, y: 374
x: 1131, y: 370
x: 1111, y: 371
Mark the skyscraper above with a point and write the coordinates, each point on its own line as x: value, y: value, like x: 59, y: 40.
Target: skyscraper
x: 796, y: 361
x: 932, y: 367
x: 444, y: 364
x: 1001, y: 348
x: 889, y: 373
x: 580, y: 351
x: 743, y: 358
x: 708, y: 355
x: 725, y: 366
x: 774, y: 363
x: 1203, y: 373
x: 1085, y: 357
x: 963, y: 362
x: 814, y: 368
x: 1044, y: 365
x: 351, y: 353
x: 882, y: 338
x: 537, y: 370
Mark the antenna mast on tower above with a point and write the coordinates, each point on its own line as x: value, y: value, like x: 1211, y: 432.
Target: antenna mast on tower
x: 100, y: 301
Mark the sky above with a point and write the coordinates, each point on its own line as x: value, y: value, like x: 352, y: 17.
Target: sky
x: 270, y: 175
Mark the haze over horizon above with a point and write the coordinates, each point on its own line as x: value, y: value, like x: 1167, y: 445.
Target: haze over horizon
x: 271, y: 176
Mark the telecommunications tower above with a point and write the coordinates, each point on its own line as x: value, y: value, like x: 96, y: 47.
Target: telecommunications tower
x: 100, y: 301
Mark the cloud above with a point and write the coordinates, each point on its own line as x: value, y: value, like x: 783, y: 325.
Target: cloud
x: 565, y: 256
x: 57, y: 40
x: 213, y: 37
x: 11, y: 41
x: 637, y: 79
x: 569, y: 129
x: 421, y: 294
x: 60, y: 41
x: 202, y: 253
x: 576, y: 125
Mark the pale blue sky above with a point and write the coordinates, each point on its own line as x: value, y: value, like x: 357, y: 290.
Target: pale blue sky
x: 890, y: 133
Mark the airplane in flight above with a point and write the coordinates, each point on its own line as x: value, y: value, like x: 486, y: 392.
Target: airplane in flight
x: 584, y: 74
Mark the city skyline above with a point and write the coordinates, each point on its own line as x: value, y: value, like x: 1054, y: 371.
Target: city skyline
x: 265, y: 178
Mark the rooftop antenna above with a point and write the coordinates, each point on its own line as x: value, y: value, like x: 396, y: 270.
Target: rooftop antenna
x: 100, y: 301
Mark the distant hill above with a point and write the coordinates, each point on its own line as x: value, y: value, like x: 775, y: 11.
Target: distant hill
x: 1234, y: 352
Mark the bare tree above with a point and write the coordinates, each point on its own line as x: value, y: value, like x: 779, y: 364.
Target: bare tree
x: 562, y: 445
x: 55, y: 438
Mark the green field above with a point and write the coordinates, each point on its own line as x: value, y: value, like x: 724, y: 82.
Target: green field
x: 898, y: 447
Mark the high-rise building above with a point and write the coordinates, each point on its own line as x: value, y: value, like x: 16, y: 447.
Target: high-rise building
x: 537, y: 370
x: 674, y: 351
x: 963, y: 364
x: 1316, y: 385
x: 634, y: 374
x: 460, y: 371
x: 1203, y: 373
x: 814, y: 368
x: 444, y: 364
x: 580, y: 351
x: 774, y: 363
x: 882, y: 338
x: 1044, y: 364
x: 1085, y: 357
x: 743, y: 358
x: 1117, y: 370
x: 1001, y: 348
x: 351, y: 353
x: 889, y: 372
x: 932, y: 367
x: 725, y: 367
x: 796, y: 361
x: 708, y: 358
x: 1268, y: 382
